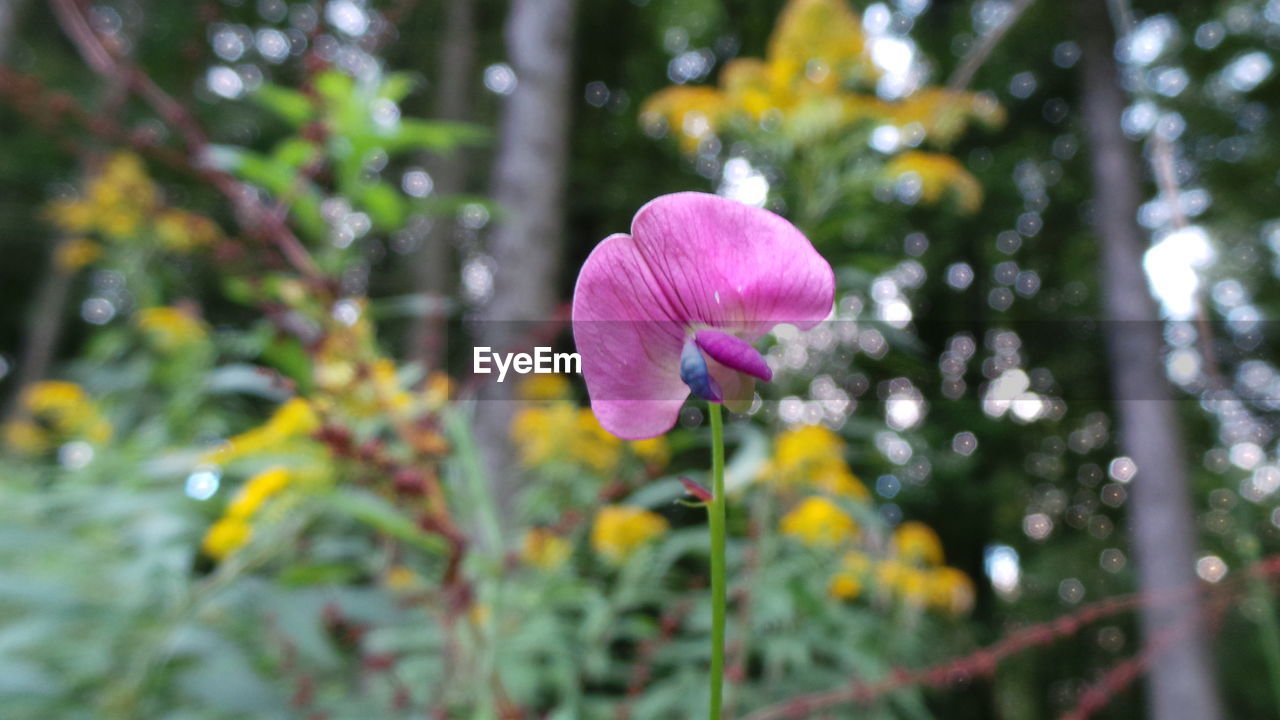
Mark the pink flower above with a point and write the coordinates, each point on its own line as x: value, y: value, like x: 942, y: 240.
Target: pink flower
x: 674, y: 307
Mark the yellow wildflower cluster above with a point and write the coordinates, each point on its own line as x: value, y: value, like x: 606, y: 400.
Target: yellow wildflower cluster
x: 293, y: 420
x: 811, y: 457
x: 620, y: 530
x: 819, y: 522
x: 75, y: 253
x: 544, y: 549
x: 939, y: 175
x: 564, y: 432
x: 814, y: 81
x: 552, y: 429
x: 53, y: 412
x: 182, y: 231
x: 916, y: 543
x: 120, y: 202
x: 233, y: 530
x: 169, y: 329
x: 913, y: 573
x: 544, y: 388
x: 348, y: 369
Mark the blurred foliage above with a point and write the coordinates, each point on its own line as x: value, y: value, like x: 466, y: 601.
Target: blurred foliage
x: 232, y: 499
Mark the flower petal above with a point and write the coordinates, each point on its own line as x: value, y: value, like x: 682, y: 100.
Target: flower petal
x: 734, y: 352
x: 694, y: 373
x: 720, y: 263
x: 630, y: 348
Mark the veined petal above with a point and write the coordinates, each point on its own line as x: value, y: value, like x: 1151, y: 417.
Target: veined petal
x: 722, y: 264
x: 733, y: 352
x: 630, y: 347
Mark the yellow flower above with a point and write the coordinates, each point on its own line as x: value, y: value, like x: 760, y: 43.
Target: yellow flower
x: 838, y: 479
x: 653, y: 452
x: 26, y: 437
x: 950, y: 590
x: 845, y: 586
x: 913, y: 586
x: 544, y: 387
x: 619, y: 530
x: 71, y: 216
x: 256, y: 491
x: 855, y: 569
x: 55, y: 411
x: 563, y: 432
x: 943, y: 114
x: 938, y: 175
x: 812, y: 456
x: 544, y: 549
x: 480, y: 614
x: 816, y: 53
x: 691, y: 112
x: 437, y: 389
x: 917, y: 544
x: 118, y: 200
x: 818, y: 522
x: 294, y: 419
x: 170, y: 328
x: 225, y: 537
x: 799, y: 449
x: 182, y: 231
x: 386, y: 385
x: 73, y: 254
x: 888, y: 574
x: 819, y: 43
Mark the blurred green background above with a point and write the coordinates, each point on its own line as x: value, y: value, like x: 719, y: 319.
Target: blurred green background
x: 250, y: 244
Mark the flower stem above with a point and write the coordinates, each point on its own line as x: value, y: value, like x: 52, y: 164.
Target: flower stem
x: 716, y: 523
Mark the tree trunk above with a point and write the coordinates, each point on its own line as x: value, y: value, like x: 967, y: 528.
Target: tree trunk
x: 1180, y: 685
x: 528, y: 185
x: 8, y: 13
x: 44, y: 332
x: 433, y: 266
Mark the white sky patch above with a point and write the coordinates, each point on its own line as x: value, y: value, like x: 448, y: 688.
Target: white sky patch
x: 1004, y: 569
x: 347, y: 16
x: 744, y: 183
x: 893, y: 54
x: 885, y: 139
x: 1151, y: 38
x: 225, y: 82
x: 1172, y: 265
x: 1247, y: 71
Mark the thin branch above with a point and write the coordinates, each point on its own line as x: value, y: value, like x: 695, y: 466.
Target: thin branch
x: 979, y: 53
x: 1123, y: 674
x: 982, y: 662
x: 252, y: 213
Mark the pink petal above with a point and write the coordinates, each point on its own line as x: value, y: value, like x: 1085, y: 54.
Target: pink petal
x: 733, y: 352
x: 630, y: 348
x: 738, y: 389
x: 720, y: 263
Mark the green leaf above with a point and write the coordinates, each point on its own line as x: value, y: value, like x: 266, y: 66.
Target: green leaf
x: 385, y: 206
x: 434, y: 135
x: 290, y: 358
x: 377, y: 513
x: 397, y: 85
x: 289, y: 105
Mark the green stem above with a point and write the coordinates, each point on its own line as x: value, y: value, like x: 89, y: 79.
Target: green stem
x: 716, y: 522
